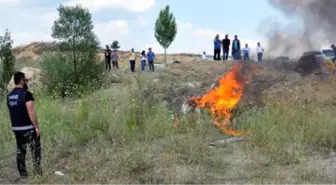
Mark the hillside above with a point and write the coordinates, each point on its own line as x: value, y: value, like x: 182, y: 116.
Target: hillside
x: 33, y: 52
x: 134, y: 130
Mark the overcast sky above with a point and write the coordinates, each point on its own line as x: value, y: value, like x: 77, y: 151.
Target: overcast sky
x: 132, y: 21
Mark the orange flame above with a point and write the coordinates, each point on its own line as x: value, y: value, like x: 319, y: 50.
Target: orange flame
x: 221, y: 100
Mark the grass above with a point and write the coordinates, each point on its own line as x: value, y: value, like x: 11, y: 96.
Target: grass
x: 123, y: 133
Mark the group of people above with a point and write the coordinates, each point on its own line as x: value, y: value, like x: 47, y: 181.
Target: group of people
x: 236, y: 50
x: 144, y: 58
x: 111, y: 56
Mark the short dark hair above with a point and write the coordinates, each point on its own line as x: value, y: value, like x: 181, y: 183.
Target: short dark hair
x: 18, y: 76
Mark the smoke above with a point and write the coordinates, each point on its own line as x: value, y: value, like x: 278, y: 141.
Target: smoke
x: 313, y: 26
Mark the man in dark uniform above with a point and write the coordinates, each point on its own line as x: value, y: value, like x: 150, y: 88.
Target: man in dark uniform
x: 108, y: 56
x: 25, y: 126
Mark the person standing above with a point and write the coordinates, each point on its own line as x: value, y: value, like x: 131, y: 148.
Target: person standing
x: 217, y: 48
x: 260, y: 52
x: 203, y: 56
x: 246, y: 52
x: 108, y: 58
x: 333, y: 47
x: 226, y: 47
x: 132, y: 60
x: 236, y: 48
x: 151, y: 58
x: 20, y: 103
x: 115, y: 60
x: 143, y: 60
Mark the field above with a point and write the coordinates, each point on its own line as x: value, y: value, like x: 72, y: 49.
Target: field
x: 133, y: 131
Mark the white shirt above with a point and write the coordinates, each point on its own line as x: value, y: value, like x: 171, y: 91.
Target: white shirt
x: 246, y: 50
x: 203, y: 57
x: 260, y: 49
x: 143, y: 58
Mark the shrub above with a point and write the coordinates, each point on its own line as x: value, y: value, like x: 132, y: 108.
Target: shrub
x: 60, y: 79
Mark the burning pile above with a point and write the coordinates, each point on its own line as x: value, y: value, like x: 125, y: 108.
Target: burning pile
x: 223, y: 99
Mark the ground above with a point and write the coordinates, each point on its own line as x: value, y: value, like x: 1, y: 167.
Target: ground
x: 126, y: 131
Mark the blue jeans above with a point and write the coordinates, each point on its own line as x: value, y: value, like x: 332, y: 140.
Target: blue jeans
x: 143, y: 64
x: 246, y: 56
x: 260, y: 56
x: 236, y: 55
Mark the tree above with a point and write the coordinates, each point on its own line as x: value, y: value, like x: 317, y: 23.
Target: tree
x: 115, y: 45
x: 78, y: 45
x: 7, y: 59
x: 165, y: 29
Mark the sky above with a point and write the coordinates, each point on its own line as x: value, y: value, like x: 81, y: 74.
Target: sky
x: 131, y: 22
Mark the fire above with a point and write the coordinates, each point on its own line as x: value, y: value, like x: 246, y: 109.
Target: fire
x: 221, y: 100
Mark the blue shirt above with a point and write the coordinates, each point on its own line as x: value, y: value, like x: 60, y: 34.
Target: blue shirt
x: 150, y: 56
x: 115, y: 57
x: 217, y: 44
x: 246, y: 50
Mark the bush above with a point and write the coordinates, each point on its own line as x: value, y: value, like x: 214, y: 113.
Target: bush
x: 60, y: 79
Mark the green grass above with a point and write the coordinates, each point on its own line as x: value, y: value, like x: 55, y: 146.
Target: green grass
x: 123, y: 133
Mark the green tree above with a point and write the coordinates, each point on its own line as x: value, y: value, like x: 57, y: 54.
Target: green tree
x: 115, y: 45
x: 165, y: 29
x: 78, y: 45
x: 7, y: 59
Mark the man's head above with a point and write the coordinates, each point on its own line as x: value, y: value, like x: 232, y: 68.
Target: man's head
x: 333, y: 46
x: 226, y: 36
x: 258, y: 43
x: 20, y: 80
x: 246, y: 45
x: 236, y: 36
x: 149, y: 49
x: 132, y: 50
x: 217, y: 36
x: 107, y: 47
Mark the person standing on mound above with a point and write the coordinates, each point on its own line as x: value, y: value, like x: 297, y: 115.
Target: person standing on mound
x: 107, y: 54
x: 132, y: 60
x: 115, y: 60
x: 143, y: 60
x: 151, y: 58
x: 217, y: 48
x: 236, y: 48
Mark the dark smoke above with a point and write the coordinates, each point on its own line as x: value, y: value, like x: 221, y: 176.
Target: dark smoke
x: 318, y: 26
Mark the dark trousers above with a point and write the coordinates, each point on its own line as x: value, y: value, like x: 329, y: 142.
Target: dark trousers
x: 236, y: 55
x: 246, y: 56
x: 108, y: 63
x: 217, y: 54
x: 225, y: 54
x: 115, y: 64
x: 24, y: 138
x: 260, y: 56
x: 151, y: 65
x: 132, y: 65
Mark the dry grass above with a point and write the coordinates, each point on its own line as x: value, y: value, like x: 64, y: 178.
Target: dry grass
x: 123, y: 134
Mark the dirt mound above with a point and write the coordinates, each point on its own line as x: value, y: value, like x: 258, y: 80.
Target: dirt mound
x: 34, y: 76
x: 33, y: 52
